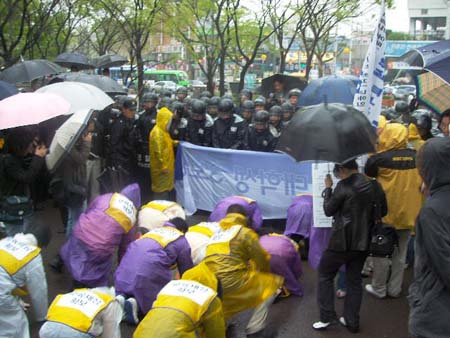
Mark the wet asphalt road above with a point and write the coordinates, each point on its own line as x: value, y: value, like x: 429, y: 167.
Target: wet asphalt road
x: 291, y: 317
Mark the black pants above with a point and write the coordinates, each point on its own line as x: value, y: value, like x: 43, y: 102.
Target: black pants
x: 329, y: 266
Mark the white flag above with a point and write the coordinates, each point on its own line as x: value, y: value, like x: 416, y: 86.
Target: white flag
x: 369, y: 93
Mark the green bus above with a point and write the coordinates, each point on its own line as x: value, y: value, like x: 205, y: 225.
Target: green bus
x: 178, y: 76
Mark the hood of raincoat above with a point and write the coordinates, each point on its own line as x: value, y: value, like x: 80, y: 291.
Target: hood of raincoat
x: 203, y: 275
x: 393, y: 137
x: 233, y: 219
x: 163, y: 118
x: 413, y: 132
x: 434, y: 164
x: 133, y: 192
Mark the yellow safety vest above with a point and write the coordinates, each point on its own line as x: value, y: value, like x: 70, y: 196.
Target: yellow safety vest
x: 205, y: 228
x: 219, y: 243
x: 160, y: 205
x: 14, y: 255
x: 78, y: 309
x: 189, y: 297
x: 164, y: 236
x: 123, y: 211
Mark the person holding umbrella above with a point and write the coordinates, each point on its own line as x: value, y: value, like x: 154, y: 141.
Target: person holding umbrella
x: 351, y: 206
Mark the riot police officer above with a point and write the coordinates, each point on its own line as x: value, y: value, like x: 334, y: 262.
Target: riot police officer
x: 124, y: 140
x: 293, y: 96
x: 247, y: 110
x: 288, y: 111
x: 205, y: 93
x: 229, y: 130
x: 145, y: 124
x: 182, y: 93
x: 275, y: 114
x: 260, y: 103
x: 199, y: 126
x: 259, y: 136
x: 178, y: 126
x: 213, y: 106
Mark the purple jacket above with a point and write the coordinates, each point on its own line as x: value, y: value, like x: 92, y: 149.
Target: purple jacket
x: 300, y: 216
x: 88, y: 253
x: 253, y: 210
x: 146, y: 268
x: 318, y: 243
x: 284, y: 261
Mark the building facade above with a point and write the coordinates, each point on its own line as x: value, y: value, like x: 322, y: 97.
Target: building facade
x: 429, y: 20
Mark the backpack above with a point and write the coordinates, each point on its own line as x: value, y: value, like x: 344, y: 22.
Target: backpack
x: 383, y: 237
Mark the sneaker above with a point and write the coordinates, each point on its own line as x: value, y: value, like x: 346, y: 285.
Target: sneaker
x: 321, y: 326
x: 352, y: 329
x: 341, y: 293
x: 131, y: 311
x: 371, y: 290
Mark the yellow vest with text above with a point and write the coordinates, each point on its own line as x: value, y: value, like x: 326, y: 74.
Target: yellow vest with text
x: 164, y: 236
x: 205, y: 228
x: 78, y: 309
x: 220, y: 241
x: 160, y: 205
x: 123, y: 211
x: 14, y: 255
x: 189, y: 297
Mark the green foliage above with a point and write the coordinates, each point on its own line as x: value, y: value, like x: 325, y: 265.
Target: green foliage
x: 390, y: 35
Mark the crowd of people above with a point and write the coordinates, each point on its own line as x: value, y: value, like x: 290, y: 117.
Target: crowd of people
x: 114, y: 191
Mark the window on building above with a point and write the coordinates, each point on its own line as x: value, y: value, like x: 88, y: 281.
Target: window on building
x: 424, y: 11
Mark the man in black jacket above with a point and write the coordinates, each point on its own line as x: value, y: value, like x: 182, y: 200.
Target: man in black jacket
x: 352, y: 206
x: 429, y: 294
x: 229, y: 130
x: 199, y: 125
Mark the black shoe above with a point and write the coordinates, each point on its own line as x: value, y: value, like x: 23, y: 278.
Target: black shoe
x: 352, y: 329
x: 57, y: 264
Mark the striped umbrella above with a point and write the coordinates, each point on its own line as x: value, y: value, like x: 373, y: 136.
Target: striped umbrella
x: 433, y: 92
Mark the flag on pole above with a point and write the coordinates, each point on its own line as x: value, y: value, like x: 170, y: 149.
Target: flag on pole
x: 369, y: 93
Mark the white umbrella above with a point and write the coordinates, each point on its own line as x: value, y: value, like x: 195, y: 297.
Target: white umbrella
x: 66, y: 136
x: 80, y: 95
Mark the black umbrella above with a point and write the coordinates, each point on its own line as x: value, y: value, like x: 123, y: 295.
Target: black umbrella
x: 289, y: 82
x: 108, y: 85
x: 30, y: 70
x: 331, y: 132
x: 110, y: 60
x: 7, y: 90
x: 77, y: 60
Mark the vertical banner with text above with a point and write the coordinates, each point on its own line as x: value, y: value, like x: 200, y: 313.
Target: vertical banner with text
x: 369, y: 93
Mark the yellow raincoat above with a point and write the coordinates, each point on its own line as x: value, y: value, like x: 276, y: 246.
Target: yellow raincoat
x: 162, y: 156
x: 394, y: 167
x: 177, y: 317
x: 231, y: 256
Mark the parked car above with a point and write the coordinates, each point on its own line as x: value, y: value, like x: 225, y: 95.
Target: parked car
x: 160, y: 85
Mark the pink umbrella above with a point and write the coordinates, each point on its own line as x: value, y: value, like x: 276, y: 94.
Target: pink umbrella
x: 31, y: 108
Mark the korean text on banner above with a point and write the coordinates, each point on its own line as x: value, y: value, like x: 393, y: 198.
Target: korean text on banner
x: 369, y: 93
x: 204, y: 176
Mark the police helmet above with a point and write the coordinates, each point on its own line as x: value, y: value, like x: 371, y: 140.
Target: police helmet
x: 182, y: 90
x: 275, y: 110
x: 165, y: 102
x: 261, y: 116
x: 294, y: 92
x: 402, y: 107
x: 206, y: 93
x: 260, y: 101
x: 247, y: 93
x: 150, y: 97
x: 287, y: 108
x: 226, y: 106
x: 248, y: 105
x: 214, y: 101
x: 198, y: 107
x: 422, y: 119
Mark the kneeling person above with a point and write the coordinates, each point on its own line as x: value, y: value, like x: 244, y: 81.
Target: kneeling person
x: 191, y: 305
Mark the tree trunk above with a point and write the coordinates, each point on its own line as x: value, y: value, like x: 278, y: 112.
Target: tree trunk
x: 242, y: 75
x: 282, y: 62
x: 222, y: 74
x: 320, y: 65
x: 140, y: 72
